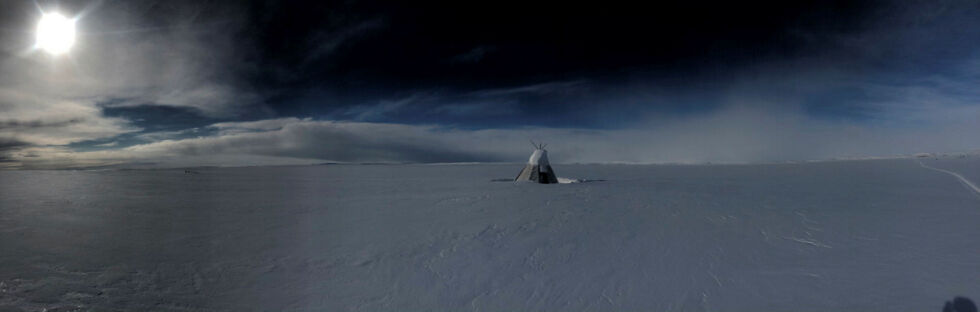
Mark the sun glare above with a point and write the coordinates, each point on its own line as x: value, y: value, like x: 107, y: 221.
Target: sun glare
x: 55, y: 33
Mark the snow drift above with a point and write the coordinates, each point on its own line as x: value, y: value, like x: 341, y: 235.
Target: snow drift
x: 880, y: 235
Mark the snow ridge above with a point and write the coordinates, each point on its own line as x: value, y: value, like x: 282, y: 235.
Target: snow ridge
x: 966, y: 182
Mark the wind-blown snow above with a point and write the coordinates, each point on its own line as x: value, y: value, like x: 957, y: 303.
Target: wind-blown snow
x: 562, y: 180
x: 880, y: 235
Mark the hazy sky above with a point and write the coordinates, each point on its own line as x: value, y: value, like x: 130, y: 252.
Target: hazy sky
x: 184, y: 83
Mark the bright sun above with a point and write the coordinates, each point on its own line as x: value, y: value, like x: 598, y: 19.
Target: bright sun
x: 55, y: 33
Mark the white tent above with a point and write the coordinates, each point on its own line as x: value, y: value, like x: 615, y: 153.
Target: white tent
x: 538, y: 169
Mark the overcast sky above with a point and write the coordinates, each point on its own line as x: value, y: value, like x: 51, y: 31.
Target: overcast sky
x: 187, y: 83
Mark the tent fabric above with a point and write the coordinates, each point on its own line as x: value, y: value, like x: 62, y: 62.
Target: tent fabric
x: 538, y: 169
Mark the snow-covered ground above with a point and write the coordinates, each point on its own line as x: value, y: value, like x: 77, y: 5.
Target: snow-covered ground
x: 876, y: 235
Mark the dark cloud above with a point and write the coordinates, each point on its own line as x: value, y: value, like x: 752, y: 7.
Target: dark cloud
x: 7, y: 146
x: 154, y: 118
x: 35, y: 124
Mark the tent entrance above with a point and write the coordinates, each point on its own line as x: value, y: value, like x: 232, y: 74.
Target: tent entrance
x: 542, y: 177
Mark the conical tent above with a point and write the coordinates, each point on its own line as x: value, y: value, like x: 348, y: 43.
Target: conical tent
x: 538, y: 169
